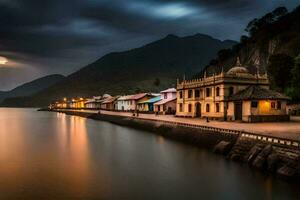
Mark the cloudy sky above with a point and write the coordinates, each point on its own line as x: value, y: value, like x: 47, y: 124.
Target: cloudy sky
x: 40, y: 37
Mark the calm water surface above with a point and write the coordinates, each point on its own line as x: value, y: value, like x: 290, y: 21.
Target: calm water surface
x: 54, y: 156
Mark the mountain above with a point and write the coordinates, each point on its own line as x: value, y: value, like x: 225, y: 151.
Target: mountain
x: 267, y: 36
x: 32, y: 87
x: 152, y: 67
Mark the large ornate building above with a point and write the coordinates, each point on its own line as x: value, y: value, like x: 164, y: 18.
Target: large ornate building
x: 232, y: 95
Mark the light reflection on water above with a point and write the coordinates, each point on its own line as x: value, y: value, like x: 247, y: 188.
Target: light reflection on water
x: 54, y: 156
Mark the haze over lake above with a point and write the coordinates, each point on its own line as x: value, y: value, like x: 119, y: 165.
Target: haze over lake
x: 54, y: 156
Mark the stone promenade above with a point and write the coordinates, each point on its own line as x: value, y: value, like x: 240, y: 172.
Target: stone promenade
x: 287, y: 130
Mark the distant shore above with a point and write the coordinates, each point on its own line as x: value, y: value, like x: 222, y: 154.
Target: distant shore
x: 276, y: 159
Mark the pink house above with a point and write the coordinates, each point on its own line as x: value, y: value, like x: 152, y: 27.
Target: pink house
x: 167, y: 104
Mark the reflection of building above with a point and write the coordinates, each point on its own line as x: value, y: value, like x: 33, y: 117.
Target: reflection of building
x: 167, y: 104
x: 234, y: 95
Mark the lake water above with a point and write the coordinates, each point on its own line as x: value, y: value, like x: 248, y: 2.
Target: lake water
x: 54, y: 156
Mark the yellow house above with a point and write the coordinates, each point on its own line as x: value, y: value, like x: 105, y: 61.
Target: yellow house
x: 257, y: 104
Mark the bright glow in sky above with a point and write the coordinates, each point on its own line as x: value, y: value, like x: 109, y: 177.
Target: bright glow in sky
x: 171, y: 10
x: 3, y: 60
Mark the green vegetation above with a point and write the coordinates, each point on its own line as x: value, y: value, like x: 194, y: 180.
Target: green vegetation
x: 279, y: 69
x: 272, y: 45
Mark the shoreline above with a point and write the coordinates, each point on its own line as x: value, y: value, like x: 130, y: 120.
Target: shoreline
x: 262, y: 155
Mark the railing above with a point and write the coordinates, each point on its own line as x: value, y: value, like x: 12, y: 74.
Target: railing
x: 269, y: 139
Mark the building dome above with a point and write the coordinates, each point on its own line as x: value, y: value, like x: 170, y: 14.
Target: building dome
x: 239, y: 70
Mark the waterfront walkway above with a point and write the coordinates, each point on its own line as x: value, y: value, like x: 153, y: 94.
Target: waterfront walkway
x: 288, y: 130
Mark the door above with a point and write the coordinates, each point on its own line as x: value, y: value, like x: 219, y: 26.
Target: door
x: 198, y: 109
x: 238, y: 110
x: 150, y: 107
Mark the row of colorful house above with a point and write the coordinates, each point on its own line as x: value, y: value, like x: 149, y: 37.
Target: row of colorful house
x: 235, y: 95
x: 164, y: 102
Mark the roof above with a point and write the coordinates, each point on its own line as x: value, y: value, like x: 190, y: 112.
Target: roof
x: 152, y: 100
x: 139, y: 96
x: 235, y: 70
x: 110, y: 100
x: 239, y: 70
x: 127, y: 97
x: 255, y: 92
x: 106, y: 96
x: 132, y: 97
x: 168, y: 90
x: 164, y: 101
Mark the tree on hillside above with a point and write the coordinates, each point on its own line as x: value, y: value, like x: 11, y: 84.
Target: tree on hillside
x: 256, y: 25
x: 296, y: 79
x: 156, y: 82
x: 279, y: 69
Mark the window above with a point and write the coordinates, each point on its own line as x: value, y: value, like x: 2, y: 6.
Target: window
x: 180, y: 94
x: 197, y: 93
x: 217, y: 91
x: 207, y: 92
x: 180, y: 107
x: 217, y: 107
x: 190, y: 93
x: 165, y: 95
x: 190, y: 107
x: 207, y: 107
x: 279, y: 105
x: 254, y: 104
x: 273, y: 104
x: 231, y: 91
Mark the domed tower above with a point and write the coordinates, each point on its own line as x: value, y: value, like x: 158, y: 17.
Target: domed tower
x: 239, y: 71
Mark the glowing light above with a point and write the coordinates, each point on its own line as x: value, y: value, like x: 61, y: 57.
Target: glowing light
x: 3, y: 60
x: 168, y: 11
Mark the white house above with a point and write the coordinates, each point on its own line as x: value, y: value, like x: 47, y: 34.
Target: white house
x: 129, y: 102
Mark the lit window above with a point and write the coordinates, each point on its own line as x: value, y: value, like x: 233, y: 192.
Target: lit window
x: 273, y: 104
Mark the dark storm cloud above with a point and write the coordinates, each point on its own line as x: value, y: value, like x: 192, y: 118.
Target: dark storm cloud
x: 59, y: 36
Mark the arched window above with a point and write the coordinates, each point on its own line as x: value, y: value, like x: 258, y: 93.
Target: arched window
x: 207, y: 107
x: 231, y: 90
x: 217, y: 91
